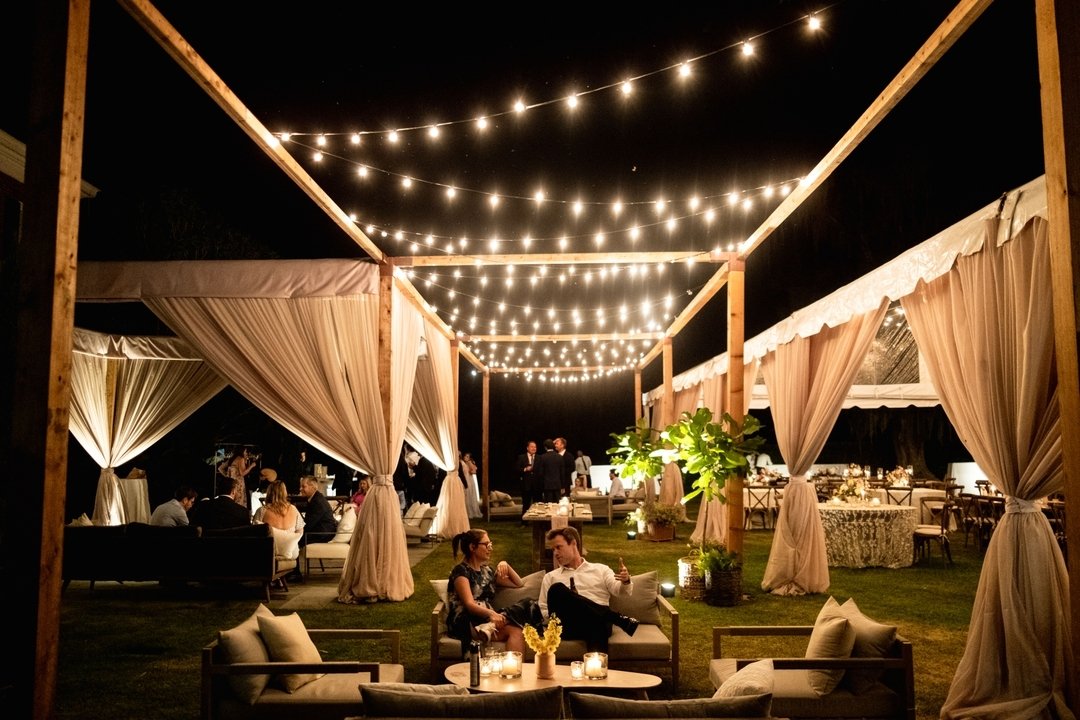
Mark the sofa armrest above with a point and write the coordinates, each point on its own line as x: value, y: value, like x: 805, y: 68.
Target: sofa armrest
x: 393, y: 637
x: 719, y: 633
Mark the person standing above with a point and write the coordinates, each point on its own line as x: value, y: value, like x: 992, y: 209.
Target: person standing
x: 472, y: 492
x: 529, y: 489
x: 568, y: 465
x: 579, y: 592
x: 582, y: 465
x: 427, y: 479
x: 550, y: 470
x: 174, y: 513
x: 236, y: 468
x: 319, y: 523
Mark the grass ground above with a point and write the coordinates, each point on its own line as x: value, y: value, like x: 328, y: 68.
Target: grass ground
x: 133, y: 650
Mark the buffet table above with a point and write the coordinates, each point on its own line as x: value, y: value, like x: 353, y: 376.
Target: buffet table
x: 865, y: 535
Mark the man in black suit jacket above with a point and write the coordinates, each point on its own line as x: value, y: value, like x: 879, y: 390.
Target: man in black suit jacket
x: 568, y: 465
x: 224, y: 511
x: 530, y: 491
x: 549, y: 469
x: 319, y: 523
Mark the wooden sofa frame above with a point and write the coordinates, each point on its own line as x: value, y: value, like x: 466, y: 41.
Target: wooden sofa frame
x: 215, y: 670
x: 898, y: 668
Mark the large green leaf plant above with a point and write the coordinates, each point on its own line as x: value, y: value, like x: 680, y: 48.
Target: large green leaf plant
x: 713, y: 451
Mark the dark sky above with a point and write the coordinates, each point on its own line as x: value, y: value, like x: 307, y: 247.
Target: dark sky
x: 179, y: 179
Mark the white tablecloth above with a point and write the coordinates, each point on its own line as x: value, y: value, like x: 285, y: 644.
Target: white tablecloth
x: 915, y: 501
x: 859, y: 535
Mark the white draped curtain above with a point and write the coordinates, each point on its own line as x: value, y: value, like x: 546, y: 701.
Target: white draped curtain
x: 807, y: 379
x: 712, y: 517
x: 986, y: 331
x: 432, y: 430
x: 308, y: 362
x: 126, y: 394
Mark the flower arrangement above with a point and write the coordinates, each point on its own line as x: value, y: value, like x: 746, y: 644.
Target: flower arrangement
x: 854, y: 470
x: 635, y: 516
x: 852, y: 487
x: 550, y: 640
x: 662, y: 514
x: 898, y: 477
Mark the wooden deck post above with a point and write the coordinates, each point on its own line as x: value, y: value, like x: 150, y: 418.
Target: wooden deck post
x: 735, y: 401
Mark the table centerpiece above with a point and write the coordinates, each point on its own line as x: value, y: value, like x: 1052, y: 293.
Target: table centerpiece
x: 544, y: 646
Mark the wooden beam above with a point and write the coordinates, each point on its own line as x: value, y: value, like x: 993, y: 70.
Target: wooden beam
x: 385, y: 345
x: 421, y: 304
x: 473, y: 360
x: 605, y: 337
x: 620, y: 258
x: 37, y: 377
x: 735, y: 401
x: 958, y: 21
x: 185, y: 56
x: 667, y: 402
x: 1058, y: 32
x: 554, y: 369
x: 637, y: 395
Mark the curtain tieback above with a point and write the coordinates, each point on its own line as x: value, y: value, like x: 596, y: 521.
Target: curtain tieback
x: 1019, y: 505
x: 797, y: 479
x: 383, y: 480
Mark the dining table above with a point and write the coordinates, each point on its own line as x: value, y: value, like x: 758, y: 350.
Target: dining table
x: 865, y: 534
x: 545, y: 516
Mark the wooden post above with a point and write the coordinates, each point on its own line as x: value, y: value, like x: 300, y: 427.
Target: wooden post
x: 386, y: 314
x: 735, y: 399
x: 637, y: 395
x: 1058, y: 30
x: 485, y: 430
x: 38, y: 376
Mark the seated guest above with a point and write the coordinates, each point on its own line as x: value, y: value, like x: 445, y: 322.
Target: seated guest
x: 319, y: 523
x: 359, y: 496
x: 616, y: 490
x: 224, y: 511
x: 579, y: 592
x: 277, y: 511
x: 174, y: 513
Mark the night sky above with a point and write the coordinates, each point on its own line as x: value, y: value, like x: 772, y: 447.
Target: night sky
x: 179, y: 180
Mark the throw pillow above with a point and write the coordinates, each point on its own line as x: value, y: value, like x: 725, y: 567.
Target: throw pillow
x: 642, y: 603
x: 346, y: 524
x: 544, y: 703
x: 440, y: 588
x: 832, y: 637
x: 417, y: 688
x: 287, y: 640
x: 872, y: 640
x: 414, y: 511
x: 585, y: 706
x: 242, y: 644
x: 754, y: 679
x: 530, y: 588
x: 286, y: 544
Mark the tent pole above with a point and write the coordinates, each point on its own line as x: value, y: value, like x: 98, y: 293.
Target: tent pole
x: 736, y: 318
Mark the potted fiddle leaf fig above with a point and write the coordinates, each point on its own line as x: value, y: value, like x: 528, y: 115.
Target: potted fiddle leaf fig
x: 712, y: 451
x: 634, y: 454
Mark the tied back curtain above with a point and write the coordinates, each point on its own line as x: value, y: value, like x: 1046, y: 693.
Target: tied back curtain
x: 712, y: 519
x: 432, y: 429
x: 986, y: 331
x: 311, y: 363
x: 126, y: 394
x: 807, y: 380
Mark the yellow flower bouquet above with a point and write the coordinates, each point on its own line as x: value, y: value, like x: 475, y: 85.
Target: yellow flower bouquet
x: 550, y: 640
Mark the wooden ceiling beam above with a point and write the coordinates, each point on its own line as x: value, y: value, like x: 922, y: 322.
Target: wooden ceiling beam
x: 557, y: 370
x: 620, y: 258
x: 523, y: 338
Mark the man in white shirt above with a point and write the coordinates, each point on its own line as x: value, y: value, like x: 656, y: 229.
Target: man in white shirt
x: 582, y: 464
x: 616, y: 491
x: 174, y: 513
x: 579, y: 592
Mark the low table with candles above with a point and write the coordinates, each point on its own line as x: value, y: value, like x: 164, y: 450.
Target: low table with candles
x: 620, y: 682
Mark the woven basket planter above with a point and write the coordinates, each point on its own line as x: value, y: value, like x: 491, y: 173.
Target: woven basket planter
x: 723, y: 588
x: 691, y: 583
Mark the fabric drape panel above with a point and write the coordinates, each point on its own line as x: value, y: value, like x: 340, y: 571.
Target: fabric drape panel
x: 432, y: 430
x: 807, y: 380
x: 986, y: 331
x: 686, y: 401
x: 309, y: 363
x: 125, y: 396
x: 378, y: 563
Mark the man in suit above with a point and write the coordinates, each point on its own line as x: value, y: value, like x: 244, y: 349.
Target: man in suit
x: 224, y: 511
x: 526, y: 476
x: 549, y: 470
x: 568, y: 465
x: 427, y: 480
x: 319, y: 523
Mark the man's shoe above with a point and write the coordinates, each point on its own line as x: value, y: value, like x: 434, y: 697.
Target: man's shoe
x: 628, y: 625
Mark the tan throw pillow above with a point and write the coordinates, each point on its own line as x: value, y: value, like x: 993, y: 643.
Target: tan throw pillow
x: 286, y: 544
x: 540, y: 704
x: 754, y: 679
x: 530, y: 588
x: 872, y: 639
x: 832, y: 637
x: 441, y: 588
x: 242, y: 644
x: 642, y: 603
x: 346, y: 524
x: 287, y: 640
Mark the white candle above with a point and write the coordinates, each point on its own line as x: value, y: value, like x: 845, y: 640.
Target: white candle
x: 495, y: 665
x: 593, y: 667
x: 577, y: 670
x: 511, y: 664
x: 485, y: 666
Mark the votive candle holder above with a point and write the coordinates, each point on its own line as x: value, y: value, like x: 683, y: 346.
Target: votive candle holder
x: 595, y: 665
x: 577, y: 670
x: 511, y: 665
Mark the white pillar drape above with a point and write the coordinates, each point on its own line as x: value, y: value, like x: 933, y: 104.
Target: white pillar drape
x: 986, y: 331
x: 807, y: 380
x: 432, y: 429
x: 126, y: 394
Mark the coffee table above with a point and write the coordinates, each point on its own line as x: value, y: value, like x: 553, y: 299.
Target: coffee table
x: 622, y: 682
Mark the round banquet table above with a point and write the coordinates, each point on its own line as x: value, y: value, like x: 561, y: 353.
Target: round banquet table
x: 864, y: 535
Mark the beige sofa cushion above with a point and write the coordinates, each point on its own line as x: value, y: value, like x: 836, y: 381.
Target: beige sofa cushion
x: 544, y: 703
x: 642, y: 603
x: 832, y: 637
x: 243, y: 644
x: 872, y: 639
x: 586, y: 706
x: 287, y: 640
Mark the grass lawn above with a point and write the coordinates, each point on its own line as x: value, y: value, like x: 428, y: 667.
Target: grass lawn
x: 133, y: 650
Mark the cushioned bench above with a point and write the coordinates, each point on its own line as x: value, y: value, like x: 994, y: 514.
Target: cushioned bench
x: 649, y: 650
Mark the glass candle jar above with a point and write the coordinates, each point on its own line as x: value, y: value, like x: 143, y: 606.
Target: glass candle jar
x: 595, y: 665
x: 577, y: 670
x: 511, y: 665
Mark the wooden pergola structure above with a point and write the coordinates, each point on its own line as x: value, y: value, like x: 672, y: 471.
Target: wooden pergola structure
x: 37, y: 377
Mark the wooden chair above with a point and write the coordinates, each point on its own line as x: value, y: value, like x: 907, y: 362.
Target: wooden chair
x: 898, y: 496
x: 760, y: 502
x: 926, y: 535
